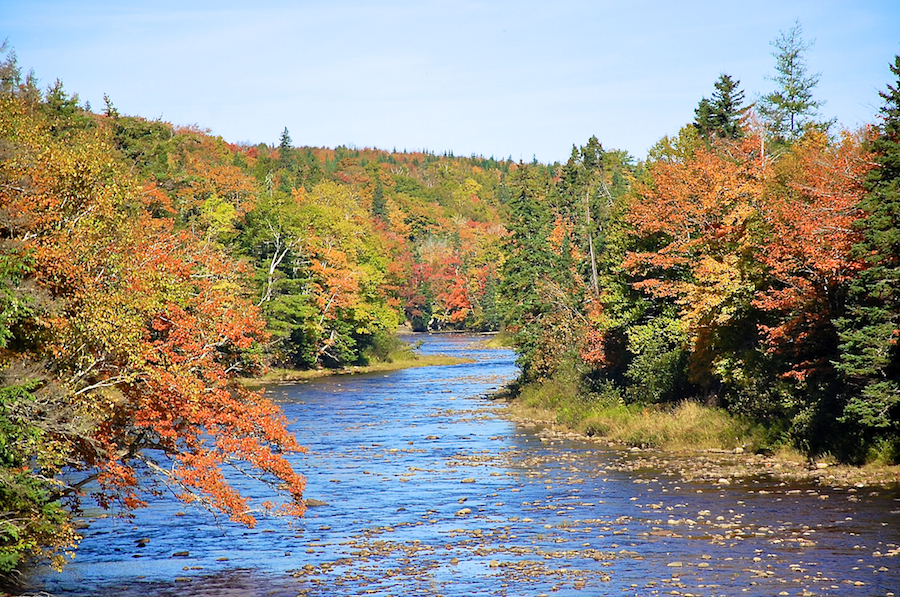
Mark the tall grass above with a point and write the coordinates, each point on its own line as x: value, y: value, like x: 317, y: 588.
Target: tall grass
x: 686, y: 425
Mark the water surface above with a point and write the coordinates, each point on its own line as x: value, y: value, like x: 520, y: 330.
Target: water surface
x: 430, y: 491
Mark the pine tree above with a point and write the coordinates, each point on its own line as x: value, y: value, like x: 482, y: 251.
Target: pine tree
x: 527, y: 259
x: 703, y: 118
x: 582, y: 182
x: 791, y: 108
x: 870, y: 332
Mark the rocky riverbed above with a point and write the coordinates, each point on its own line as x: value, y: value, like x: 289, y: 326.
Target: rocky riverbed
x: 420, y: 486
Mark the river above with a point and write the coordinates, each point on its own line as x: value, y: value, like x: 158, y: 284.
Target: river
x: 429, y: 490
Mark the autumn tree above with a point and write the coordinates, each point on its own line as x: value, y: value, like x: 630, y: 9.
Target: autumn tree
x: 694, y: 218
x: 125, y: 336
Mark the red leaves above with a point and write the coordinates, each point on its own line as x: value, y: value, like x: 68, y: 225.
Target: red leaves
x: 701, y: 210
x: 145, y: 327
x: 810, y: 220
x: 806, y: 250
x: 593, y: 349
x: 734, y: 232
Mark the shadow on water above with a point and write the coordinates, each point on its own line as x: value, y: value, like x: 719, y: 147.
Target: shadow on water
x: 428, y: 490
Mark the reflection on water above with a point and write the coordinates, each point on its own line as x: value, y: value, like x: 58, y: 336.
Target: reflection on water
x: 428, y: 491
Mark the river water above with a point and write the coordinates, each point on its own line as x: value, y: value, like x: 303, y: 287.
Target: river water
x: 429, y: 490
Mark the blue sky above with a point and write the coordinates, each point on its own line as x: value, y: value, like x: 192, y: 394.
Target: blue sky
x: 500, y: 78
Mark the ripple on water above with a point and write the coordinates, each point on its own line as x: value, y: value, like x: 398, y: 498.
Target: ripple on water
x: 426, y: 489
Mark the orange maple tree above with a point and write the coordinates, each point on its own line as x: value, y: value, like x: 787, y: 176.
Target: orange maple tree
x: 809, y: 235
x: 732, y: 231
x: 701, y: 211
x: 142, y: 327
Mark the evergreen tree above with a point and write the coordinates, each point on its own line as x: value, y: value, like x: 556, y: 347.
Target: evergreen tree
x: 11, y: 81
x: 870, y: 333
x: 721, y: 116
x: 527, y: 259
x: 791, y: 108
x: 285, y: 151
x: 703, y: 118
x: 585, y: 198
x: 379, y: 208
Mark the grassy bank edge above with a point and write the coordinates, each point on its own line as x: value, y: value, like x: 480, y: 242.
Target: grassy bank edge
x: 275, y: 375
x: 685, y: 428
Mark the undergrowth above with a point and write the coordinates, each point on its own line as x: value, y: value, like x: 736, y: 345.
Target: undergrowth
x: 672, y: 426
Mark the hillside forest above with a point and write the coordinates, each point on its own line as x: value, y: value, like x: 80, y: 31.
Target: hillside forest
x: 751, y: 263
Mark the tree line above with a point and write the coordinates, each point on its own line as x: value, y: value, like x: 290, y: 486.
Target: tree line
x: 145, y: 268
x: 748, y: 262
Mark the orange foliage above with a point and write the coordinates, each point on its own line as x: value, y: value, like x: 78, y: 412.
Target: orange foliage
x: 593, y: 350
x: 807, y: 248
x: 146, y: 328
x: 734, y: 231
x: 702, y: 210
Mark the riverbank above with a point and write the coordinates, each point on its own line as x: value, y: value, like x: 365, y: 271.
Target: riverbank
x: 696, y: 444
x: 427, y: 488
x: 276, y: 375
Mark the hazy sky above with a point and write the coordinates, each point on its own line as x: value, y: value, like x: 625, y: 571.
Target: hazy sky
x: 504, y: 78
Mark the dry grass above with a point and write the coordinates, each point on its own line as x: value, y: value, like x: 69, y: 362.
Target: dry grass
x: 687, y: 425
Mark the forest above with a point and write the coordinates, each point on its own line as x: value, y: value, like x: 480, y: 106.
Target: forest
x: 749, y: 263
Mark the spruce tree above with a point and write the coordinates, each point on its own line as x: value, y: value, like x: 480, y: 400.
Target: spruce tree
x: 527, y: 260
x: 703, y: 118
x: 721, y: 116
x: 871, y: 331
x: 285, y: 151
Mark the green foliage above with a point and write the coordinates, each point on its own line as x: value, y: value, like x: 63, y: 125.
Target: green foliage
x: 147, y: 144
x: 721, y: 117
x: 34, y: 525
x: 788, y: 110
x: 870, y: 356
x: 386, y: 347
x: 15, y: 303
x: 682, y: 425
x: 528, y: 260
x: 659, y: 357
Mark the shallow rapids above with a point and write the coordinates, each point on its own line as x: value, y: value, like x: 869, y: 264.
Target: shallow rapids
x: 424, y: 488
